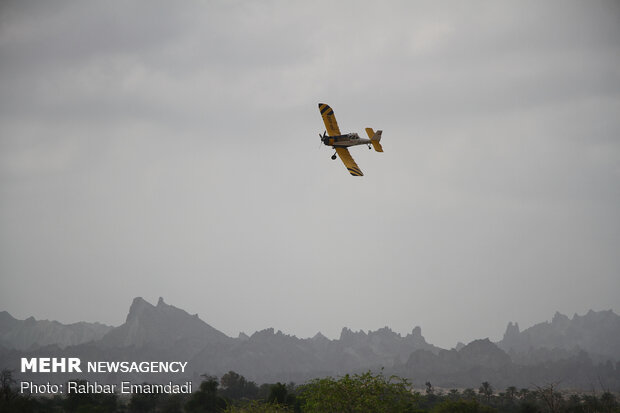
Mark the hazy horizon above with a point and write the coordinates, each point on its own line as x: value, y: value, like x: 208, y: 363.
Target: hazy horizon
x: 336, y: 337
x: 159, y: 149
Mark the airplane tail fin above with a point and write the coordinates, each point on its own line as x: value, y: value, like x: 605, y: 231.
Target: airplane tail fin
x: 374, y: 139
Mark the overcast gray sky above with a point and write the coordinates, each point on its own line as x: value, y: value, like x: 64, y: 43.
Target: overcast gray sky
x: 171, y: 149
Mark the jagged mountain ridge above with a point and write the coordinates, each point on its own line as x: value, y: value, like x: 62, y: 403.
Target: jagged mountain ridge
x: 473, y: 363
x: 164, y: 327
x: 597, y: 333
x: 164, y: 332
x: 31, y: 333
x: 265, y: 355
x: 278, y: 356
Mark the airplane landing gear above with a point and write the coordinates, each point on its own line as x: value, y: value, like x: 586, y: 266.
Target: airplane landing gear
x: 334, y: 157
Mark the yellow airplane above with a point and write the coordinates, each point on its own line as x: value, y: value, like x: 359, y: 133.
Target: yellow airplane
x: 332, y: 137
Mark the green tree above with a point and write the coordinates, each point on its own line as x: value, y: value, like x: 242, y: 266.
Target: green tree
x: 283, y: 395
x: 21, y: 404
x: 363, y: 393
x: 574, y: 404
x: 462, y: 406
x: 256, y: 406
x: 6, y: 385
x: 206, y: 399
x: 590, y: 403
x: 277, y: 393
x: 143, y: 402
x: 234, y: 386
x: 528, y: 406
x: 511, y: 393
x: 11, y: 400
x: 90, y: 402
x: 486, y: 391
x: 430, y: 390
x: 608, y: 402
x: 453, y: 394
x: 527, y: 395
x: 469, y: 394
x: 550, y: 397
x: 170, y: 403
x: 263, y: 391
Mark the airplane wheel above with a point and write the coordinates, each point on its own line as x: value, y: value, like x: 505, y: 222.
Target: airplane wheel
x: 334, y: 157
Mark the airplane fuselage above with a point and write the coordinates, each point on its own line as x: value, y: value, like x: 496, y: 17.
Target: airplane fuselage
x: 343, y: 141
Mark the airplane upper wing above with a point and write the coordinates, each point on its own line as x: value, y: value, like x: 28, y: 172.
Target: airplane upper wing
x: 348, y: 161
x: 329, y: 119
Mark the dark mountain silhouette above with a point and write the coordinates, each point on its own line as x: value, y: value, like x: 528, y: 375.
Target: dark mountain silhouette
x: 164, y: 332
x: 482, y: 360
x: 30, y: 333
x: 275, y: 356
x: 162, y: 327
x: 478, y: 361
x: 596, y: 333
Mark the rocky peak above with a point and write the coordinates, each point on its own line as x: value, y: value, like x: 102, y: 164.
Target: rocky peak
x: 384, y: 336
x: 32, y: 334
x: 7, y: 321
x: 416, y: 336
x: 266, y: 333
x: 138, y: 307
x: 417, y: 340
x: 485, y: 353
x: 385, y: 332
x: 319, y: 336
x: 598, y: 333
x: 512, y: 331
x: 479, y: 346
x: 162, y: 326
x: 560, y: 321
x: 347, y: 334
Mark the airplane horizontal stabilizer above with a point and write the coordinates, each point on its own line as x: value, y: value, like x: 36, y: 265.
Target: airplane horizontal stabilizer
x: 375, y: 138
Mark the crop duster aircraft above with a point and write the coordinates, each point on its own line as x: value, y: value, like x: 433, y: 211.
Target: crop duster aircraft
x: 332, y: 137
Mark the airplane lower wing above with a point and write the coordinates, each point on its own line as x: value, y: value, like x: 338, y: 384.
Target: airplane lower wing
x: 348, y: 161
